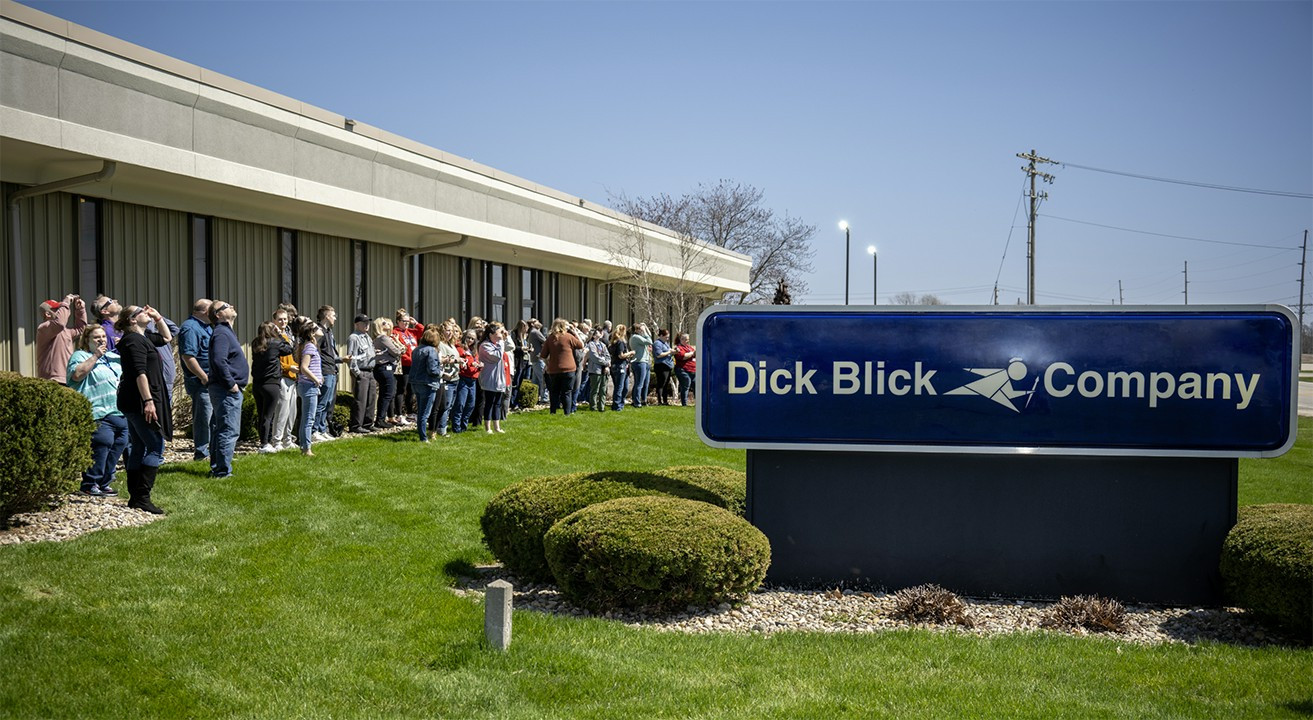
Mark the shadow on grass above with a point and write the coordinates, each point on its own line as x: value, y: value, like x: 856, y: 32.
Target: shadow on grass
x: 194, y: 468
x: 1227, y: 626
x: 1302, y: 707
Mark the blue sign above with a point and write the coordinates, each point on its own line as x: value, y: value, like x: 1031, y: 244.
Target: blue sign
x: 1208, y: 381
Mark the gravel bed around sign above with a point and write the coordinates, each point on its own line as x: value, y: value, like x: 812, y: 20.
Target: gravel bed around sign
x: 772, y: 610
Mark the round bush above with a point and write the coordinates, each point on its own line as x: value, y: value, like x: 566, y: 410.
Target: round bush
x: 655, y: 553
x: 46, y: 443
x: 516, y: 518
x: 1267, y: 564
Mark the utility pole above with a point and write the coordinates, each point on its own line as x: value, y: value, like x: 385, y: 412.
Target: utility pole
x: 1187, y: 282
x: 1303, y: 270
x: 1121, y: 296
x: 1030, y: 170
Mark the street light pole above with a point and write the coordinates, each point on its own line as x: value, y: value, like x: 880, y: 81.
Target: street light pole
x: 875, y: 274
x: 847, y: 255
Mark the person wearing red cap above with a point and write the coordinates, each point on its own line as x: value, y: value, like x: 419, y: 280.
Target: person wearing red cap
x: 64, y: 320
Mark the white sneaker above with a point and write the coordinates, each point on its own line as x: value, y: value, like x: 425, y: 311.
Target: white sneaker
x: 319, y: 437
x: 287, y: 445
x: 267, y: 449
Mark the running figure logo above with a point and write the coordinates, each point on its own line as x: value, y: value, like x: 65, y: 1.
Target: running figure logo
x: 996, y: 384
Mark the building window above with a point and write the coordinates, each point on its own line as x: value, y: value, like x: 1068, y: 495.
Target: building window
x: 554, y: 292
x: 287, y: 292
x: 465, y: 289
x: 415, y: 269
x: 583, y: 298
x: 358, y: 259
x: 530, y: 292
x: 200, y: 257
x: 610, y: 301
x: 91, y: 274
x: 494, y: 282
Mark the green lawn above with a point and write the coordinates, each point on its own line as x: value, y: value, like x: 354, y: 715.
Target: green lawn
x: 315, y: 588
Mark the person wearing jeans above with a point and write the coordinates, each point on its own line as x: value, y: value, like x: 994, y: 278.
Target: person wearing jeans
x: 329, y: 359
x: 309, y: 382
x: 140, y: 388
x: 467, y: 388
x: 425, y: 378
x: 229, y: 373
x: 94, y: 371
x: 620, y: 356
x: 640, y: 368
x: 686, y: 366
x: 194, y: 349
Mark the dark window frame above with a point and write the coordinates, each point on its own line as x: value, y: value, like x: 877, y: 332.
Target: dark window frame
x: 288, y: 241
x: 89, y: 221
x: 359, y: 269
x: 493, y: 302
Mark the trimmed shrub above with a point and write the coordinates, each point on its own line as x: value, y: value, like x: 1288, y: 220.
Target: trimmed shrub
x: 727, y: 484
x: 516, y: 519
x: 340, y: 418
x: 528, y: 394
x: 658, y: 554
x: 1267, y: 564
x: 1090, y: 612
x: 46, y: 443
x: 930, y: 603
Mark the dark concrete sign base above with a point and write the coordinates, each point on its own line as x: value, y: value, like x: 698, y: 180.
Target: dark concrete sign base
x: 1138, y: 529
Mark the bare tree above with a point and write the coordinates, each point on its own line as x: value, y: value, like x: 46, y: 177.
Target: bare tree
x: 910, y: 298
x: 635, y: 252
x: 732, y: 215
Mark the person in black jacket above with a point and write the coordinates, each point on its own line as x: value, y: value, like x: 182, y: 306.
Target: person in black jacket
x: 229, y: 373
x: 267, y: 349
x: 329, y: 360
x: 141, y: 400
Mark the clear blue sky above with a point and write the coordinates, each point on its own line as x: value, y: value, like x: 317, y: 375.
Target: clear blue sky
x: 902, y: 118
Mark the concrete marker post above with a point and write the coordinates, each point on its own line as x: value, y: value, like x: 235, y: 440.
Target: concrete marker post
x: 497, y: 614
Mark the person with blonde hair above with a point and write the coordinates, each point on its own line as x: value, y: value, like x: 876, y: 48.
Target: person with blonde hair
x: 620, y: 355
x: 407, y: 330
x: 94, y: 370
x: 387, y: 356
x: 559, y: 351
x: 425, y: 378
x: 449, y: 361
x: 285, y: 411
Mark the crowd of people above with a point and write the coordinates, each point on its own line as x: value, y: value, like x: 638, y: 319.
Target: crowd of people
x: 441, y: 378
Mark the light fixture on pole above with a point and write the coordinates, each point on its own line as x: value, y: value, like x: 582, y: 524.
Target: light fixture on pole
x: 875, y: 273
x: 847, y: 254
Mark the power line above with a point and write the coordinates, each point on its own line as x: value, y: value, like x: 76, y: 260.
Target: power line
x: 1231, y: 188
x: 1008, y: 244
x: 1176, y: 237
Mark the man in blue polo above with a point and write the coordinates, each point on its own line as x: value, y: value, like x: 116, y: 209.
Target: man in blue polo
x: 194, y: 347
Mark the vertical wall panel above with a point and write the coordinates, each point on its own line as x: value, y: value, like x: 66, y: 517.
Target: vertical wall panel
x: 246, y: 272
x: 49, y: 269
x: 569, y: 308
x: 145, y: 258
x: 324, y: 277
x: 441, y: 288
x: 383, y: 286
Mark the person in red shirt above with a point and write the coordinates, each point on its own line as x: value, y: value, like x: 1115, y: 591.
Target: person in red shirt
x: 686, y: 366
x: 407, y: 331
x: 468, y: 385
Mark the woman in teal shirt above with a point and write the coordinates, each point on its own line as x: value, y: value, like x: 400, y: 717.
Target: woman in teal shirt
x: 94, y: 371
